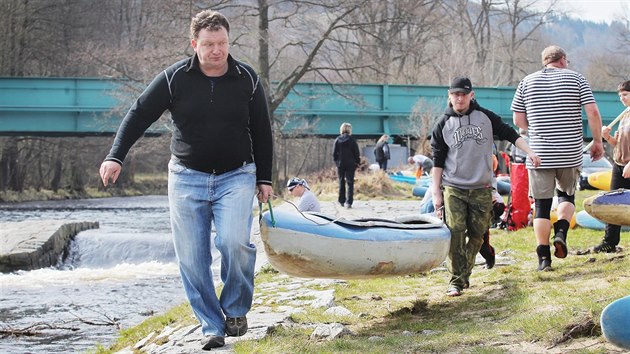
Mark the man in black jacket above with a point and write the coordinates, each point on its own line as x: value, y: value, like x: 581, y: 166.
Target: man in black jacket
x: 221, y: 153
x: 346, y: 156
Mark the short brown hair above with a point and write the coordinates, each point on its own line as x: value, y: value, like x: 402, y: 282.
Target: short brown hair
x: 208, y: 19
x: 552, y: 54
x: 624, y: 86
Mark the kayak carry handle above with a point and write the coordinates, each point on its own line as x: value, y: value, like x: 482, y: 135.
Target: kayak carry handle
x: 260, y: 206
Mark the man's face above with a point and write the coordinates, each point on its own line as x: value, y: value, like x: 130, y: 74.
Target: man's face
x: 212, y: 48
x: 461, y: 101
x: 624, y: 97
x: 297, y: 191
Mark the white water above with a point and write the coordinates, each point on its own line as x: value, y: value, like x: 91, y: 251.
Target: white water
x: 123, y: 272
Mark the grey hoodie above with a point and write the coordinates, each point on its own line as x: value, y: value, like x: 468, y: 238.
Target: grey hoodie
x: 462, y: 146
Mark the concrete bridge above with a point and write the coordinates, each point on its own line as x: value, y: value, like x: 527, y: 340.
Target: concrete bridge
x: 95, y: 106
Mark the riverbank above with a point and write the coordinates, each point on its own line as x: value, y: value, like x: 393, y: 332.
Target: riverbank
x: 154, y: 184
x: 511, y: 308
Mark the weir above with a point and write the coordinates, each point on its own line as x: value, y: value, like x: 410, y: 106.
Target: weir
x: 29, y: 245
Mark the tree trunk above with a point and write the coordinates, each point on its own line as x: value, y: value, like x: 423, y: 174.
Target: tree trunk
x: 9, y: 165
x: 77, y: 174
x: 55, y: 183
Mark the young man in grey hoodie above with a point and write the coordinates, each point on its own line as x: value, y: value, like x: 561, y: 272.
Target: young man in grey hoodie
x: 462, y: 141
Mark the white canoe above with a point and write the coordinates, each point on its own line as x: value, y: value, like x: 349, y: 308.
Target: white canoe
x: 313, y: 245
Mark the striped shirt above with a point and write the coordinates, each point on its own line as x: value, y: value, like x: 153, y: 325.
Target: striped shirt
x: 552, y: 100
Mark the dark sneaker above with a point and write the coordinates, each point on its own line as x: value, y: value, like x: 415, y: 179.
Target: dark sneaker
x: 561, y: 227
x: 544, y: 257
x: 491, y: 260
x: 214, y: 342
x: 560, y: 246
x: 489, y: 255
x: 604, y: 248
x: 544, y: 264
x: 235, y: 326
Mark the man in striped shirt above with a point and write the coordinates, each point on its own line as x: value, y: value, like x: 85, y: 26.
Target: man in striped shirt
x: 548, y: 104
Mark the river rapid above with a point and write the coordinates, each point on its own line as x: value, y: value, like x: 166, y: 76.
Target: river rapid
x: 115, y: 277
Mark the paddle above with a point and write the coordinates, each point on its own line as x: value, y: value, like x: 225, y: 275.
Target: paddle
x: 612, y: 124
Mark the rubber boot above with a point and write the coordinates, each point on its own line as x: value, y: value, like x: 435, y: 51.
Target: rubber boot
x: 561, y: 228
x: 544, y: 257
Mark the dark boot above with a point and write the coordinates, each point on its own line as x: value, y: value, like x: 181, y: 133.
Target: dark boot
x: 605, y: 248
x: 610, y: 241
x: 544, y: 257
x: 487, y: 251
x: 561, y: 228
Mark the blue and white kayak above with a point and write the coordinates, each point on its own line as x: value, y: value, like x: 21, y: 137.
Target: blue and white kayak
x: 313, y: 245
x: 585, y: 220
x: 610, y: 207
x: 615, y: 322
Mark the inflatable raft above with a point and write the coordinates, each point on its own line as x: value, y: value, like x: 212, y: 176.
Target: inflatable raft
x: 610, y: 207
x: 600, y: 180
x: 313, y: 245
x: 615, y: 322
x: 585, y: 220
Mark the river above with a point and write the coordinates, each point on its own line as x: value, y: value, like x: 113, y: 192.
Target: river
x: 121, y: 273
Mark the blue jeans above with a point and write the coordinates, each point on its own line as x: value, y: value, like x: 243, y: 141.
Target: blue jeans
x: 196, y: 200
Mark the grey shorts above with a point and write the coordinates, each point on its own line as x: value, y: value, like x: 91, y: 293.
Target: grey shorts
x: 543, y: 182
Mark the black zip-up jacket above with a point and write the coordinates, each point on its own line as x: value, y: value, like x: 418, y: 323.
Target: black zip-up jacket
x: 346, y: 152
x: 218, y: 124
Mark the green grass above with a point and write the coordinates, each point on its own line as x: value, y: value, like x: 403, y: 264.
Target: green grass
x: 507, y: 308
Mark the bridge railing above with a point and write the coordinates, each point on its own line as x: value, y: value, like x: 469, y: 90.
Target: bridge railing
x: 372, y: 109
x: 87, y: 106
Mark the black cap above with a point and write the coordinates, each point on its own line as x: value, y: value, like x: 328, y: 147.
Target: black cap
x: 460, y: 84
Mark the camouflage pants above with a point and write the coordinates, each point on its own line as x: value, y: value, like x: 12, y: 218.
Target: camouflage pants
x: 467, y: 215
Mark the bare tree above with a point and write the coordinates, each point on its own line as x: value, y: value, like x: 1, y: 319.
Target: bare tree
x: 423, y: 115
x: 475, y: 20
x: 520, y: 20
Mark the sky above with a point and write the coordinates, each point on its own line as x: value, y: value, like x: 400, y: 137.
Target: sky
x: 596, y: 10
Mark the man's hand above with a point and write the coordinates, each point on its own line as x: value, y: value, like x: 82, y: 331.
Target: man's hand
x: 597, y: 150
x: 534, y: 158
x: 606, y: 132
x: 109, y: 169
x: 438, y: 202
x: 264, y: 192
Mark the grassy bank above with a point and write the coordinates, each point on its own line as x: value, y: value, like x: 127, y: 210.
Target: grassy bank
x: 511, y: 308
x: 144, y: 184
